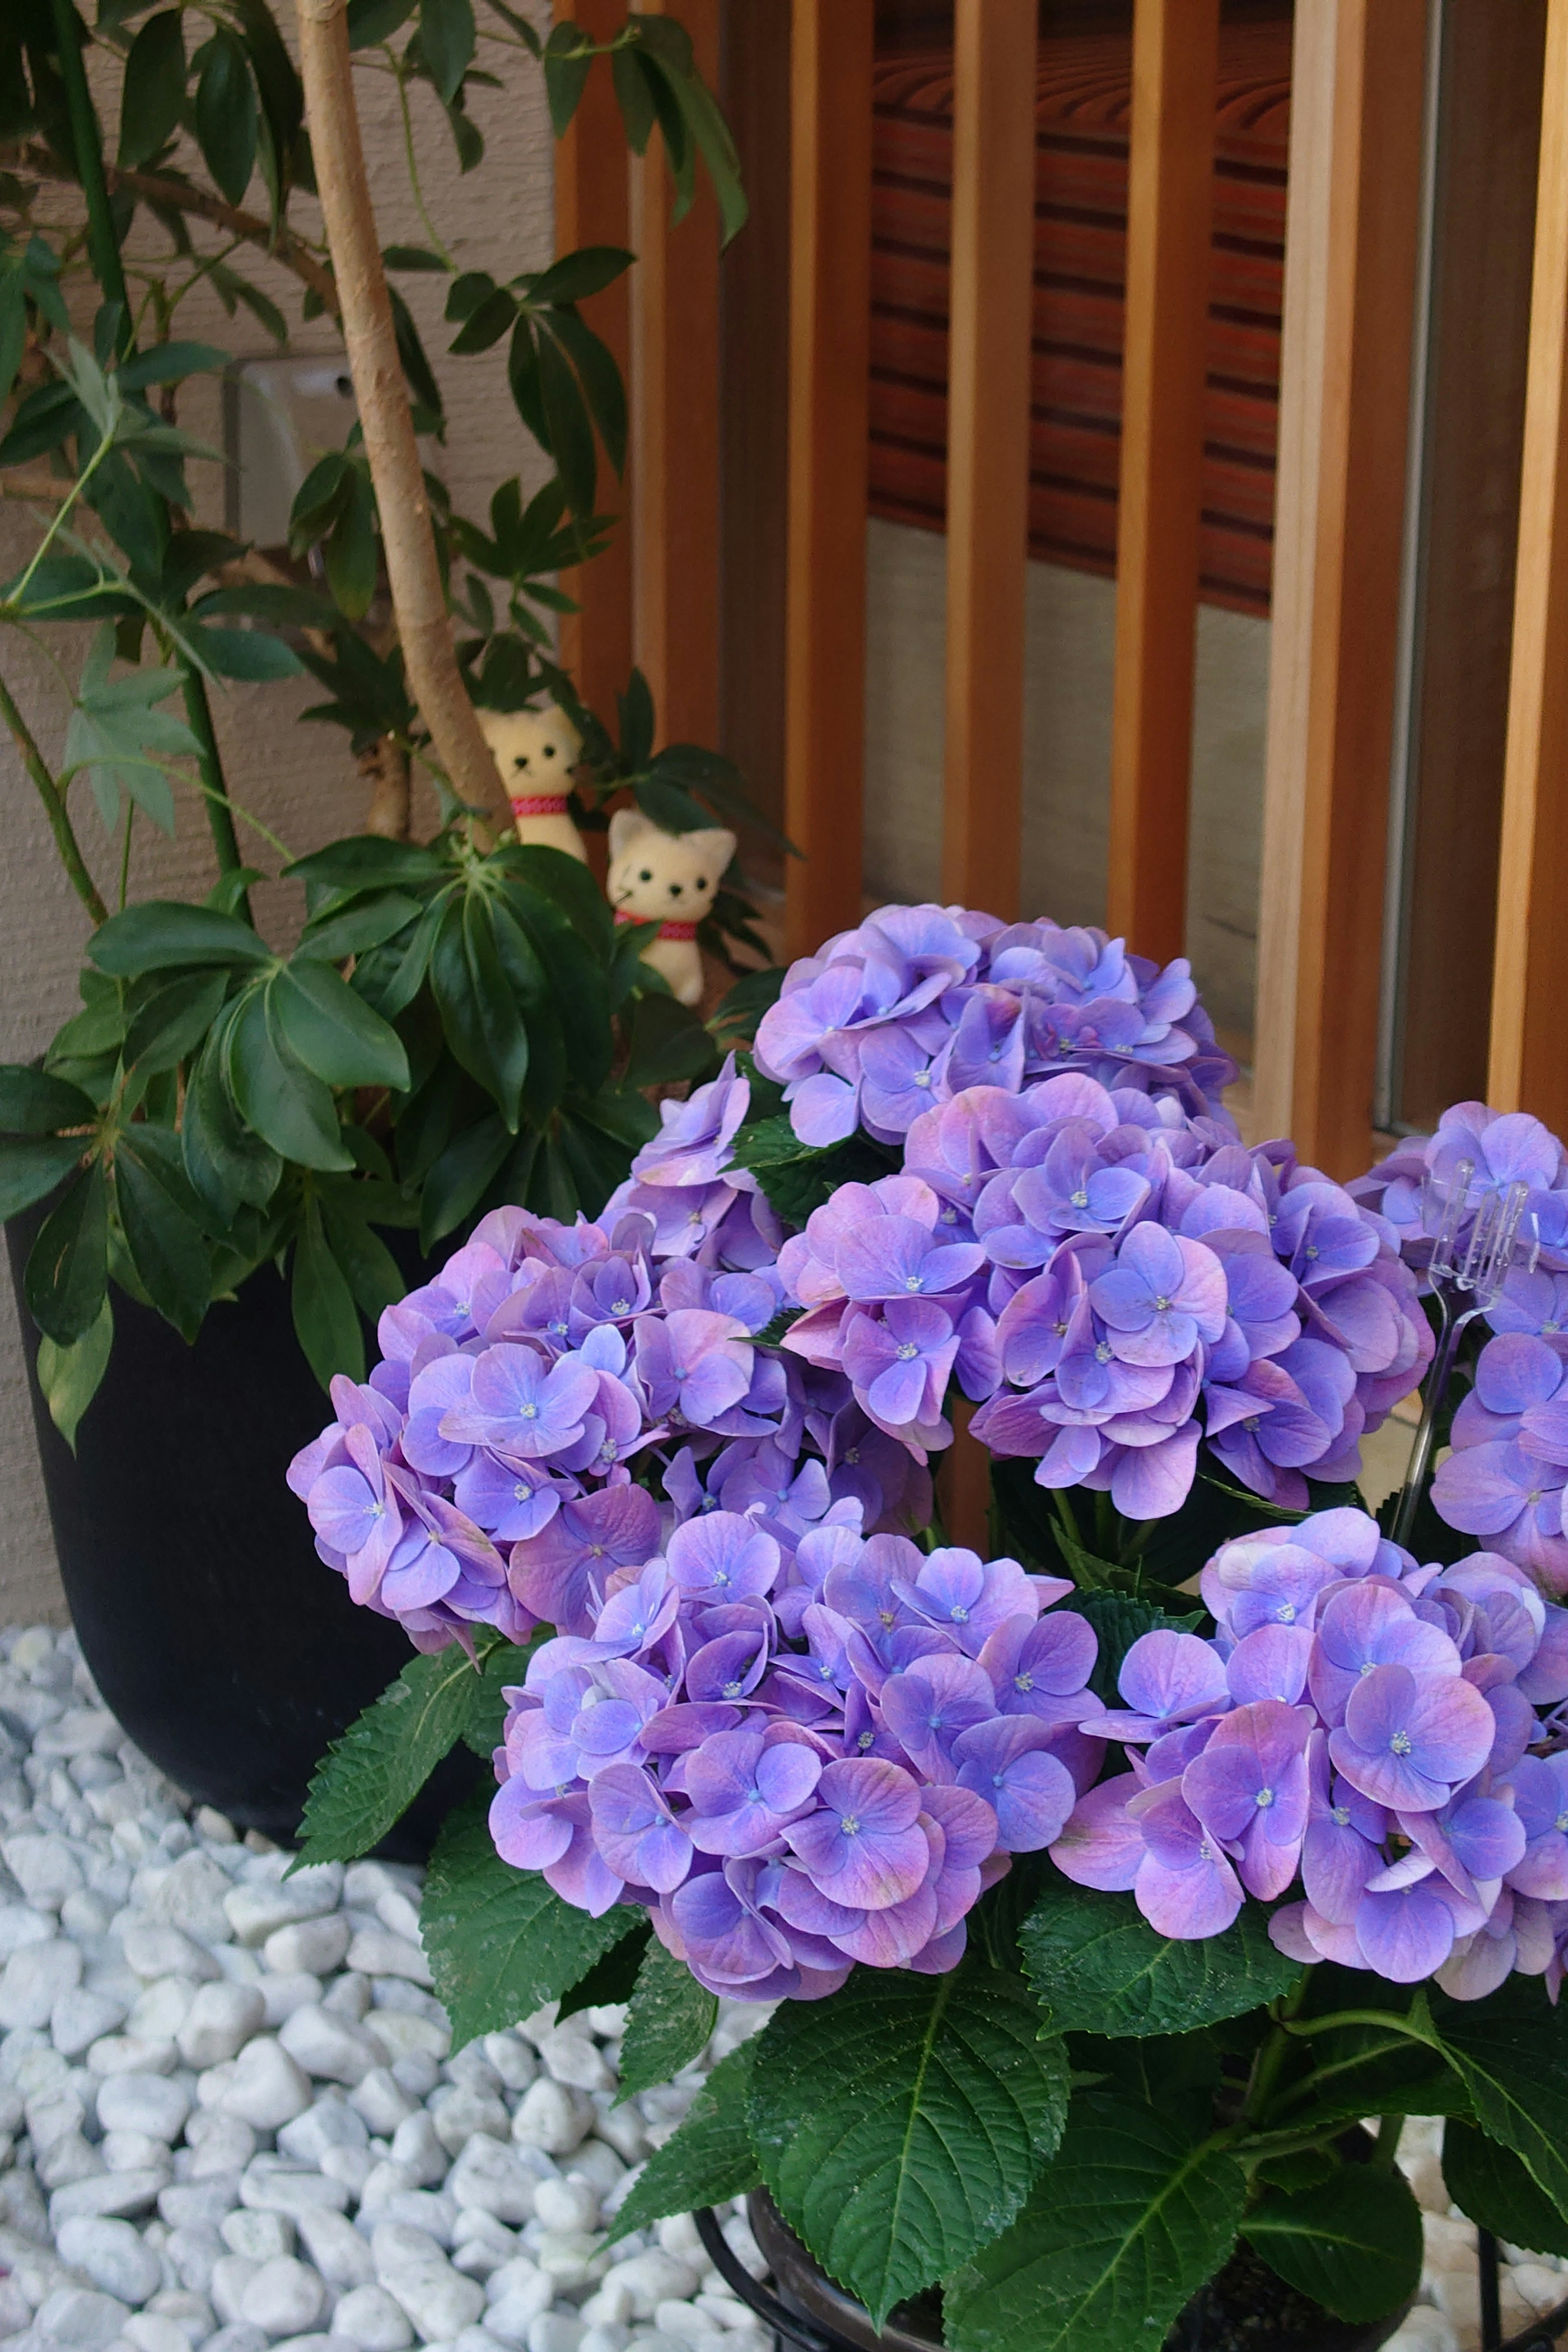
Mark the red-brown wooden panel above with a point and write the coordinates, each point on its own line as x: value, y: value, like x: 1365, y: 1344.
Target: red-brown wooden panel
x: 591, y: 208
x: 830, y: 295
x: 1529, y: 1066
x: 675, y: 428
x: 988, y: 449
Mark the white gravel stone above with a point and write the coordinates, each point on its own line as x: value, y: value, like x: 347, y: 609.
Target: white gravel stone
x: 155, y: 1949
x: 145, y: 2103
x: 488, y: 2178
x: 330, y: 2048
x: 219, y: 2021
x: 194, y: 2204
x: 116, y: 2194
x: 259, y: 2237
x: 80, y: 2318
x: 315, y: 1946
x: 382, y: 2101
x: 44, y: 1869
x: 237, y: 2337
x: 369, y: 2317
x: 571, y: 2204
x: 284, y: 2297
x: 114, y: 2257
x: 34, y: 1979
x: 335, y: 2246
x: 276, y: 2185
x: 80, y: 2017
x: 575, y: 2058
x: 553, y: 2117
x: 376, y: 1952
x: 153, y: 2331
x: 130, y: 2053
x: 281, y: 1996
x: 267, y: 2088
x: 258, y: 1909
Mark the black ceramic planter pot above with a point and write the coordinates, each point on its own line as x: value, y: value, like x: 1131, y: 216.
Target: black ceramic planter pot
x: 810, y: 2314
x: 229, y: 1652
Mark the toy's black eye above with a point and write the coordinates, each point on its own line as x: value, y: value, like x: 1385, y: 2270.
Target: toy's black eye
x: 550, y: 750
x: 701, y: 882
x: 647, y: 873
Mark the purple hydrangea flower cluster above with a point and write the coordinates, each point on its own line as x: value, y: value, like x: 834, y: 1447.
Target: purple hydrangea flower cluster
x: 1362, y: 1724
x: 1111, y: 1280
x: 1504, y: 1481
x: 701, y: 1205
x: 481, y: 1475
x: 919, y: 1004
x: 798, y: 1753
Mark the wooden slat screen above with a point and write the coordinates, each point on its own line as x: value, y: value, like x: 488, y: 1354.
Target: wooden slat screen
x: 1529, y: 1064
x: 988, y: 449
x: 830, y: 297
x: 1169, y: 207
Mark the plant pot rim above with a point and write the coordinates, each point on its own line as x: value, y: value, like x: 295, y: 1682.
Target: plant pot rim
x: 804, y: 2289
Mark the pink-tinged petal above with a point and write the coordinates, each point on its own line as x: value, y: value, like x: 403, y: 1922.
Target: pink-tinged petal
x: 1188, y: 1905
x: 1150, y: 1482
x: 529, y: 1831
x: 1171, y: 1675
x: 1100, y: 1846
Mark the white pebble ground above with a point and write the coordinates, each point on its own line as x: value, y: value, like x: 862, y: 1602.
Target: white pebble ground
x: 229, y: 2118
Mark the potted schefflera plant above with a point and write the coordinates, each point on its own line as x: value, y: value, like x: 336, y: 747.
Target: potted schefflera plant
x: 459, y: 1022
x: 1112, y: 1889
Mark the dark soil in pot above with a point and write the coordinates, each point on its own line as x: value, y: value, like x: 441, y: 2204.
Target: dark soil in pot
x: 230, y: 1653
x: 1245, y: 2309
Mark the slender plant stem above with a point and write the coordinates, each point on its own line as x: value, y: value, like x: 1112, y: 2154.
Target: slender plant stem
x: 103, y: 246
x: 413, y: 573
x: 125, y: 853
x: 55, y: 808
x: 1388, y: 2130
x: 56, y: 522
x: 220, y: 815
x: 410, y: 158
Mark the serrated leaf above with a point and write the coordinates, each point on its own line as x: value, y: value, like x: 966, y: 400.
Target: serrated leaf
x: 1511, y: 2051
x: 1491, y: 2185
x: 612, y: 1979
x: 500, y: 1942
x: 900, y: 2124
x: 668, y: 2024
x: 708, y: 2160
x: 1129, y: 2220
x: 1354, y: 2244
x: 797, y: 1178
x: 368, y: 1779
x: 1119, y: 1621
x: 1097, y: 1967
x: 70, y: 1377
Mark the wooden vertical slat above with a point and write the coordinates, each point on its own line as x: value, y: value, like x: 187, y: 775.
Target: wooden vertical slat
x: 988, y: 447
x: 1332, y: 821
x: 591, y: 208
x: 830, y: 318
x: 675, y: 428
x: 1528, y: 1061
x: 1169, y: 215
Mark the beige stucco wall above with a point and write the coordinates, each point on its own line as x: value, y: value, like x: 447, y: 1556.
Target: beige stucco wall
x: 1071, y: 620
x: 299, y: 781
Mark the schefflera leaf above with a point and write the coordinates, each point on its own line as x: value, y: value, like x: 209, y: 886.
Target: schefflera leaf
x: 900, y: 2124
x: 1124, y: 2225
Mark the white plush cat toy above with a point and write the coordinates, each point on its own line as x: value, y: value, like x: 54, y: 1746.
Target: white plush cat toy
x: 669, y: 878
x: 534, y: 750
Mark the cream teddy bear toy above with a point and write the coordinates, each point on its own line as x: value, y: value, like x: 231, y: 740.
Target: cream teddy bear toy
x: 534, y: 750
x: 670, y: 879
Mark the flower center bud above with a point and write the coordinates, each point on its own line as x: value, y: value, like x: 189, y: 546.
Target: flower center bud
x: 914, y: 1282
x: 1401, y: 1743
x: 850, y: 1825
x: 1265, y: 1797
x: 907, y: 1352
x: 1341, y: 1815
x: 1024, y: 1683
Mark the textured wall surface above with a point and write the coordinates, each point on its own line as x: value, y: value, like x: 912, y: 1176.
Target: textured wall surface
x: 299, y: 781
x: 1067, y: 754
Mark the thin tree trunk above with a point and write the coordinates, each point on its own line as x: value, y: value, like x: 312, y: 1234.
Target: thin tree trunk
x: 423, y: 627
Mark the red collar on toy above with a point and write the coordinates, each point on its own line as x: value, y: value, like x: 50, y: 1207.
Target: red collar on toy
x: 666, y: 930
x: 540, y: 804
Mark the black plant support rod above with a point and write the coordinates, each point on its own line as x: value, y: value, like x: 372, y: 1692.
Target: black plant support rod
x: 778, y: 2316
